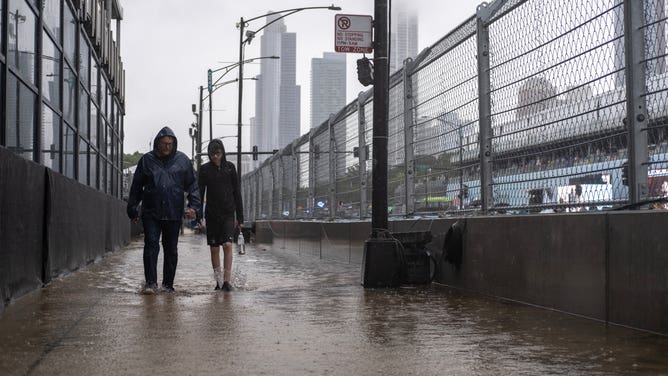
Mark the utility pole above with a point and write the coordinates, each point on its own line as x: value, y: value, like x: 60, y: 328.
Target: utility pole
x: 381, y: 266
x: 380, y: 115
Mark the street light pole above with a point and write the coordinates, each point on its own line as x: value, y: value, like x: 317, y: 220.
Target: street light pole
x: 251, y: 34
x: 199, y: 129
x: 242, y: 23
x: 213, y: 86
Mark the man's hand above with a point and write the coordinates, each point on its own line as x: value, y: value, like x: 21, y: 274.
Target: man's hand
x: 135, y: 220
x: 190, y: 213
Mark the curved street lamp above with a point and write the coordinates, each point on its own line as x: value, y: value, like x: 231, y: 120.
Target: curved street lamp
x: 249, y: 37
x: 212, y: 86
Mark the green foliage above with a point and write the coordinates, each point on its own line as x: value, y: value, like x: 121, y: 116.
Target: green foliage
x: 130, y: 160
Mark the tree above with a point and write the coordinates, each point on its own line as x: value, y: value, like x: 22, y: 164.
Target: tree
x: 130, y: 160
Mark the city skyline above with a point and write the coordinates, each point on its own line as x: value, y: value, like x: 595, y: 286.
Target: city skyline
x: 328, y: 86
x: 167, y: 65
x: 404, y: 36
x: 278, y: 97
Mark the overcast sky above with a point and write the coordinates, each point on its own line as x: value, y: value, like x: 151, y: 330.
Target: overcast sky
x: 168, y: 45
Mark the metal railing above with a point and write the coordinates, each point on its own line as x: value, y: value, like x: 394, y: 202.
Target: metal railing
x: 522, y: 108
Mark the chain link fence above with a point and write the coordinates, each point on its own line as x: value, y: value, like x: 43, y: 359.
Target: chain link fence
x: 522, y: 108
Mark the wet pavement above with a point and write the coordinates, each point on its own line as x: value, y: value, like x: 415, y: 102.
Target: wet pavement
x: 292, y: 315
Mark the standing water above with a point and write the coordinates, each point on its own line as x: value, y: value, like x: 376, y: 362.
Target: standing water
x: 296, y: 315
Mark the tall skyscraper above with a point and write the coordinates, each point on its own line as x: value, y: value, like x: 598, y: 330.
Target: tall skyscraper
x: 328, y: 86
x: 277, y: 104
x: 404, y: 35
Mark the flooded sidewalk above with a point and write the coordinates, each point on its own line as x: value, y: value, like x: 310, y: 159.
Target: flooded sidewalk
x: 297, y: 315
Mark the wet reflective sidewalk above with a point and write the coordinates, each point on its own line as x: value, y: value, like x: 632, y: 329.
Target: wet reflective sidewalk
x: 292, y: 315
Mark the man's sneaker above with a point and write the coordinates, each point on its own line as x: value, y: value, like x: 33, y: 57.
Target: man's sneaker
x: 217, y: 286
x: 149, y: 288
x: 168, y: 288
x: 227, y: 286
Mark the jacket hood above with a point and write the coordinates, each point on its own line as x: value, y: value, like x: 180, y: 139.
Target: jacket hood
x: 165, y: 131
x: 214, y: 145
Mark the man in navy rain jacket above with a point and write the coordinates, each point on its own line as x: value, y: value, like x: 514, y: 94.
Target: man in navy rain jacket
x: 161, y: 177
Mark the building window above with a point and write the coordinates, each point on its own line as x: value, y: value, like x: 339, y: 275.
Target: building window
x: 103, y: 137
x: 103, y: 97
x: 69, y: 94
x: 21, y: 42
x: 94, y: 127
x: 94, y: 76
x: 103, y: 175
x: 93, y: 169
x: 110, y: 168
x: 50, y: 138
x: 84, y: 114
x: 83, y: 162
x: 69, y: 138
x: 84, y: 62
x: 69, y: 34
x: 50, y: 71
x: 110, y: 135
x: 51, y: 14
x: 20, y: 118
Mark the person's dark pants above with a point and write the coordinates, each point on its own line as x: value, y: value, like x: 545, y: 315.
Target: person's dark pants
x: 170, y: 237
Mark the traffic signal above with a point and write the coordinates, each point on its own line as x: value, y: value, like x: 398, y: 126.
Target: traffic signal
x: 255, y: 152
x: 365, y: 71
x: 625, y: 173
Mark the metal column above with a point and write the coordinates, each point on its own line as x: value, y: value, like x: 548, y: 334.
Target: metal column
x: 409, y: 164
x: 636, y: 108
x: 333, y: 205
x: 484, y: 14
x: 361, y: 147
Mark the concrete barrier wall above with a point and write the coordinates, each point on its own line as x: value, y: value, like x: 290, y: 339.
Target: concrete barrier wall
x: 606, y: 266
x: 22, y: 208
x: 50, y: 225
x: 82, y: 224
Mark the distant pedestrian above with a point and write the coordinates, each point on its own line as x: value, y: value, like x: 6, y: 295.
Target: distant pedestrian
x: 161, y: 178
x: 218, y: 178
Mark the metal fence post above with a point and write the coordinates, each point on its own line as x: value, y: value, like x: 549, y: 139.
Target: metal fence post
x: 484, y: 13
x: 311, y: 175
x: 409, y: 165
x: 295, y: 181
x: 361, y: 147
x: 636, y: 108
x: 281, y: 184
x: 333, y: 206
x: 272, y: 174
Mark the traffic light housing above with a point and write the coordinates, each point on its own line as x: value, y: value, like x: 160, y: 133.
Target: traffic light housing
x: 365, y: 71
x: 255, y: 152
x: 625, y: 173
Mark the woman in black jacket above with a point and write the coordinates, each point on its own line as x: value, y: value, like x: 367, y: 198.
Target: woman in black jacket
x: 218, y: 178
